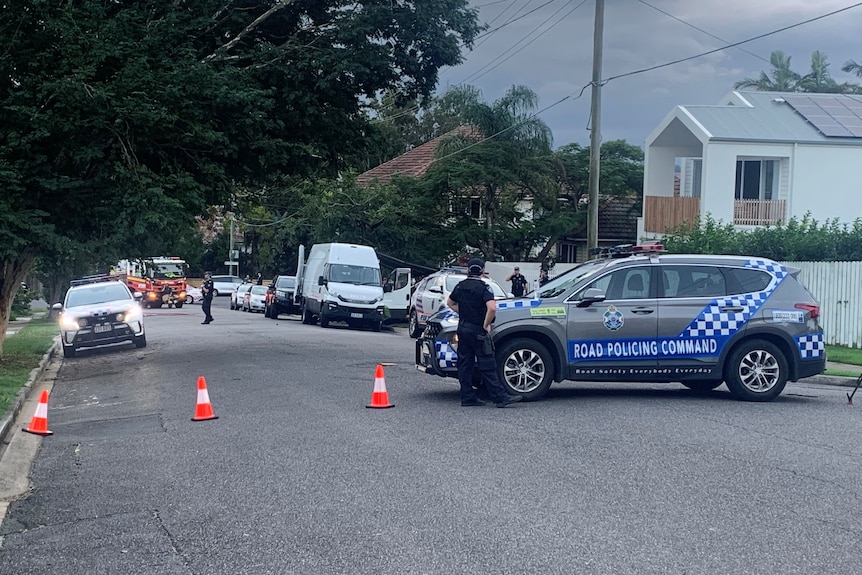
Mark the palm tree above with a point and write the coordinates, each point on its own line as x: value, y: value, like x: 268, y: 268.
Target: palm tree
x: 853, y: 68
x: 780, y: 79
x: 819, y: 79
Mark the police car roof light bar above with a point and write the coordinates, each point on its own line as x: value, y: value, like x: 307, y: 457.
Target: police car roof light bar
x: 95, y: 279
x: 626, y: 250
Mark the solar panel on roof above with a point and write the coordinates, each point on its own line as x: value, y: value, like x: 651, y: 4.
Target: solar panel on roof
x: 833, y: 116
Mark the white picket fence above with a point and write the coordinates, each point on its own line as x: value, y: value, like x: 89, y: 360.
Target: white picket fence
x: 838, y: 288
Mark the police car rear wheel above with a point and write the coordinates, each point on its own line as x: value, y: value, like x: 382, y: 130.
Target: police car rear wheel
x: 757, y: 371
x: 525, y: 367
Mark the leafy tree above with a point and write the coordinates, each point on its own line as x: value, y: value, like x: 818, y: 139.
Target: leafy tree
x: 497, y: 174
x: 123, y: 120
x: 621, y: 176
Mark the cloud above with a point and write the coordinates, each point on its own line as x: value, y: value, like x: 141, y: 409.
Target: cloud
x: 558, y: 60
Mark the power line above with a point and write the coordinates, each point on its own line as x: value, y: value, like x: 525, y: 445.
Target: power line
x: 521, y: 17
x: 734, y: 44
x: 476, y: 75
x: 580, y: 92
x: 690, y: 25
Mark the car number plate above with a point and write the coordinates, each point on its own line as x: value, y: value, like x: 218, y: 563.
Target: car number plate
x: 102, y: 328
x: 356, y: 315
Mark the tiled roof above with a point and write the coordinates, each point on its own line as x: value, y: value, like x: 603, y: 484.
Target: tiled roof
x: 413, y: 163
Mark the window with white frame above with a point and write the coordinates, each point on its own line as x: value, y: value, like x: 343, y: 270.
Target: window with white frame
x: 756, y: 179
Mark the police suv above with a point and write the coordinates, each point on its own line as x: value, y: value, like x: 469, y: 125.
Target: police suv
x: 640, y: 315
x: 100, y: 310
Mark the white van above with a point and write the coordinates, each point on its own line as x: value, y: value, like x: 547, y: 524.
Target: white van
x: 341, y: 282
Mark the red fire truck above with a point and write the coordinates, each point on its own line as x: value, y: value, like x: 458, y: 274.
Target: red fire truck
x: 161, y: 280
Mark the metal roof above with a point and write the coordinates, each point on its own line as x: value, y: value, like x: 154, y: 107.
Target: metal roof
x: 769, y: 118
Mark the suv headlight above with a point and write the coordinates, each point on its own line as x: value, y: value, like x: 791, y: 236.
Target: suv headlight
x: 69, y: 322
x: 133, y: 314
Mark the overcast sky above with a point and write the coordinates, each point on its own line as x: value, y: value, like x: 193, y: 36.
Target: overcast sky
x: 547, y: 46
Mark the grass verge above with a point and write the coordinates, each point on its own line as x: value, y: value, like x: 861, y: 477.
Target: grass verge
x: 840, y: 354
x: 22, y: 353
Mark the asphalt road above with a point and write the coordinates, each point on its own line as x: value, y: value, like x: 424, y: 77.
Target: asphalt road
x: 297, y: 476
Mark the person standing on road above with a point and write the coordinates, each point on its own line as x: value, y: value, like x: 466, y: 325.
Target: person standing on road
x: 473, y: 301
x: 519, y: 282
x: 207, y: 290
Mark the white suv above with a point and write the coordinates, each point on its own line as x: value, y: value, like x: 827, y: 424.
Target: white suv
x: 99, y: 310
x: 432, y: 291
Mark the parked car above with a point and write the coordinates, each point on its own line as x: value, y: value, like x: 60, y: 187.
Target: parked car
x: 225, y: 285
x: 193, y: 294
x: 280, y: 297
x: 254, y: 299
x: 236, y: 296
x: 99, y: 310
x: 701, y: 320
x: 432, y: 292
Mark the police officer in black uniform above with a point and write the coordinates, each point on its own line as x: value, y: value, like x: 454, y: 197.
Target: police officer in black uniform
x: 207, y: 290
x: 474, y: 302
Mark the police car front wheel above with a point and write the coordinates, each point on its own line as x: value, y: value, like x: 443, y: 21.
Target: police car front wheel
x: 756, y: 371
x: 525, y: 367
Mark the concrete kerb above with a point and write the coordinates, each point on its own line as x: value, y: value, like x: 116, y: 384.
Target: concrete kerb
x: 23, y: 394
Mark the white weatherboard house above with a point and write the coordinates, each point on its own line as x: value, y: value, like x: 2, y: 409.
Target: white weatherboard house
x: 757, y: 158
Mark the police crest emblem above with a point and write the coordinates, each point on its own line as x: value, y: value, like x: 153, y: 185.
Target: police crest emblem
x: 613, y: 318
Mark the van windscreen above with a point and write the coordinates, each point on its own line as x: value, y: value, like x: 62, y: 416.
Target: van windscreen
x: 357, y: 275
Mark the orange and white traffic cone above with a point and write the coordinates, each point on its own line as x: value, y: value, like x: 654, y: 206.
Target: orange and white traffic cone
x: 380, y: 397
x: 203, y: 410
x: 39, y: 422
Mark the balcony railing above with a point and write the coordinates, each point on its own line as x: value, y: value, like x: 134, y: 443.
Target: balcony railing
x: 662, y: 213
x: 759, y: 212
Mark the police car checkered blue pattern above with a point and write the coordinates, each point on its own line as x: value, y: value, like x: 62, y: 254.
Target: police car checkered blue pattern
x: 446, y: 355
x: 519, y: 303
x: 725, y: 316
x: 810, y: 346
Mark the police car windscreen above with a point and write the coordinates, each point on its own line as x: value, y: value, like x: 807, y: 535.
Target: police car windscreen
x: 97, y: 294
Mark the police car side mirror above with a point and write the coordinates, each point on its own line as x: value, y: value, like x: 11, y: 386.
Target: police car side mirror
x: 57, y: 306
x: 138, y: 295
x: 591, y: 296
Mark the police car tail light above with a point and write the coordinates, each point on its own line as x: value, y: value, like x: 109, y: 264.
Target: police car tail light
x: 812, y: 308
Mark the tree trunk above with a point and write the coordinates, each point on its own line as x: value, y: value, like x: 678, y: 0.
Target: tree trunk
x: 12, y: 273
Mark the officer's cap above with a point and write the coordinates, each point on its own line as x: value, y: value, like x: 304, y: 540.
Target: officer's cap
x: 475, y: 266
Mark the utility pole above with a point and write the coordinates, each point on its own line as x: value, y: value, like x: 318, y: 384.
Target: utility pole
x: 230, y: 249
x: 595, y: 127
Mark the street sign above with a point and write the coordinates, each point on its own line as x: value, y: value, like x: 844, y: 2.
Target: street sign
x: 231, y: 263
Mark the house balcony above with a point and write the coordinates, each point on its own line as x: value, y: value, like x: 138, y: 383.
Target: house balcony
x: 663, y: 213
x: 759, y: 212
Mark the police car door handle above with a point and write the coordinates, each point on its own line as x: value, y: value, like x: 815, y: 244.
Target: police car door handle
x: 642, y: 310
x: 733, y: 309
